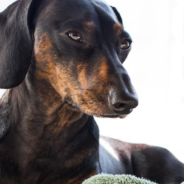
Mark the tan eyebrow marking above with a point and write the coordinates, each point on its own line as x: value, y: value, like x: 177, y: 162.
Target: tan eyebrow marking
x: 118, y: 28
x: 89, y: 26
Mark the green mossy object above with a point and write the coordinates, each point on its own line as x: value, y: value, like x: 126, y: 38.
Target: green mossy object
x: 116, y: 179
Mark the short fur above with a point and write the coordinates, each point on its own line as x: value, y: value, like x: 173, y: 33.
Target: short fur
x: 47, y: 130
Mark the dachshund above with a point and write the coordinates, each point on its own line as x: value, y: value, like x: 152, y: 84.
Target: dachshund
x: 61, y: 62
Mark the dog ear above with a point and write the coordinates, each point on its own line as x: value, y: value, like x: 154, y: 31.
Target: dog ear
x: 15, y: 43
x: 117, y: 14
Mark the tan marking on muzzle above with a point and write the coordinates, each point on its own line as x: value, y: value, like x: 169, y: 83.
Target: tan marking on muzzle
x: 90, y: 96
x: 82, y: 75
x: 102, y: 75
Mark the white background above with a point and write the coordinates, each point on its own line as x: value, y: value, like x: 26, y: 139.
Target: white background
x: 156, y: 67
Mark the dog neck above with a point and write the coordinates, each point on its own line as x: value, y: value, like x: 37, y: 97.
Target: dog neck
x: 48, y: 138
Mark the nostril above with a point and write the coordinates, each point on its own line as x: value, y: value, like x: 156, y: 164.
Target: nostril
x: 119, y: 106
x: 122, y: 102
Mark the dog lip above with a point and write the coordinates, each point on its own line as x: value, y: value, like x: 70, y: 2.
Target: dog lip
x: 117, y: 114
x: 124, y: 112
x: 113, y: 116
x: 109, y: 116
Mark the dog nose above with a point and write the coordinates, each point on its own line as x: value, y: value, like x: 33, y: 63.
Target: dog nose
x: 123, y: 102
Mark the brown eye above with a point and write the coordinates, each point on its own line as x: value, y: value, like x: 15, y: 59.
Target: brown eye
x: 76, y: 36
x: 125, y: 44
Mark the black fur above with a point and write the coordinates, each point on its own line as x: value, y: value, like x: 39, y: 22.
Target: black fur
x: 47, y: 131
x: 15, y: 43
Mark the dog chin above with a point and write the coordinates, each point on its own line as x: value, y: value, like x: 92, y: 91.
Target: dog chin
x: 112, y: 116
x: 74, y: 106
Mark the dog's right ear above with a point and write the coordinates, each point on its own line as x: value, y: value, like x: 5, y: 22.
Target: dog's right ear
x: 117, y: 14
x: 15, y: 43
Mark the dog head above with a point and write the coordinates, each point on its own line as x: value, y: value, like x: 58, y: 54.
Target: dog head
x: 77, y: 46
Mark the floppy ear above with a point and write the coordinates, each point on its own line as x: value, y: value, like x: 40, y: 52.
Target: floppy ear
x: 117, y: 14
x: 15, y: 43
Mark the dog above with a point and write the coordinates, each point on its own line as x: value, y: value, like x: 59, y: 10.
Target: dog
x: 61, y: 62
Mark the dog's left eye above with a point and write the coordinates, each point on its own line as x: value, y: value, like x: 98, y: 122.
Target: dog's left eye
x: 125, y: 44
x: 76, y: 36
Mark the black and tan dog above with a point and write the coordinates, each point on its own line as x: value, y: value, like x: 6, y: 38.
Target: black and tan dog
x: 63, y: 60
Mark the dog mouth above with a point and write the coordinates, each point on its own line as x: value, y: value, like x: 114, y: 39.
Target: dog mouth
x: 122, y: 114
x: 113, y: 116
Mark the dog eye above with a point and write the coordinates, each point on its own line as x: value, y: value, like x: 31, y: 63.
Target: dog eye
x: 76, y: 36
x: 125, y: 44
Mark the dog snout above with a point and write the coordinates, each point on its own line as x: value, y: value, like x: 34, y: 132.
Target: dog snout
x: 122, y: 103
x: 123, y: 98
